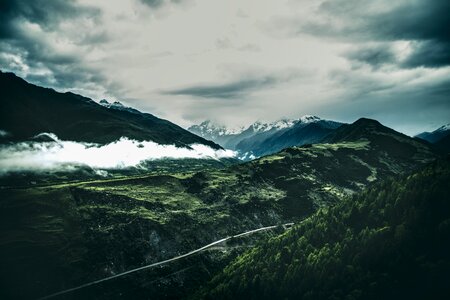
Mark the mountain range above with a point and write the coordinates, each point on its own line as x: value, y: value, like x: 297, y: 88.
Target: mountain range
x: 265, y: 138
x: 440, y: 138
x: 27, y: 110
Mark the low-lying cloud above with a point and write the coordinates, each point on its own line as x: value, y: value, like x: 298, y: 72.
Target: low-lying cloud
x: 57, y: 155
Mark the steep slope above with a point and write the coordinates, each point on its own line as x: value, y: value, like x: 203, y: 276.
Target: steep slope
x: 435, y: 136
x: 260, y: 132
x: 299, y: 134
x: 384, y: 139
x: 319, y: 174
x: 226, y: 137
x: 230, y: 138
x: 27, y: 110
x: 391, y: 241
x: 267, y: 138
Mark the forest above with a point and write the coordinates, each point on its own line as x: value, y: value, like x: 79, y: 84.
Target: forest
x: 391, y: 241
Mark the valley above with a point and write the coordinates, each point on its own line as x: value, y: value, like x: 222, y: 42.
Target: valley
x: 88, y: 230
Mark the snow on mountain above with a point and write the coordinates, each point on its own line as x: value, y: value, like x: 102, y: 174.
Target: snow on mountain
x: 212, y: 130
x: 436, y: 135
x: 283, y: 123
x: 309, y: 119
x: 262, y: 127
x: 235, y: 138
x: 117, y: 105
x: 444, y: 128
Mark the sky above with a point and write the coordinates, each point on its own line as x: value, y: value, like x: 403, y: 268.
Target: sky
x: 239, y: 61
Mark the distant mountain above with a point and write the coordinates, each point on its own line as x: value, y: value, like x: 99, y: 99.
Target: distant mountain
x: 299, y: 134
x: 27, y: 110
x: 222, y: 135
x: 383, y: 138
x: 435, y: 136
x: 265, y: 138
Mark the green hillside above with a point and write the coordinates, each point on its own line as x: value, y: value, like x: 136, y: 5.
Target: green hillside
x: 391, y: 241
x: 65, y: 234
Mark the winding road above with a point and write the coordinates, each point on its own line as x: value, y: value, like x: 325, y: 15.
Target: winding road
x: 287, y: 225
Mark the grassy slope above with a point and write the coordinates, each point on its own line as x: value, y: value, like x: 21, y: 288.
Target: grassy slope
x: 391, y: 241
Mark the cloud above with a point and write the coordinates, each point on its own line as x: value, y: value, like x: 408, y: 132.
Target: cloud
x: 160, y: 3
x: 430, y: 53
x: 239, y: 87
x: 47, y: 42
x: 407, y: 101
x: 3, y: 133
x: 425, y: 23
x: 250, y: 48
x: 48, y: 14
x: 179, y: 59
x: 375, y: 56
x: 225, y: 90
x: 57, y: 155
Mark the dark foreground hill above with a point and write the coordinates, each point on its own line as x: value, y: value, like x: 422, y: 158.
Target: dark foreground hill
x: 27, y: 110
x: 391, y: 241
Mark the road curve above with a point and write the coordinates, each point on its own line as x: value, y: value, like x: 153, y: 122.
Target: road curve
x: 287, y: 225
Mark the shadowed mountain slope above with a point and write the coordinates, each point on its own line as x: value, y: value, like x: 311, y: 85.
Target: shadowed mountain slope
x: 27, y: 110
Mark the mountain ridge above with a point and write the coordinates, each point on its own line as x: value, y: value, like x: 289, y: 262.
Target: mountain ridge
x: 28, y: 110
x: 436, y: 135
x: 262, y: 138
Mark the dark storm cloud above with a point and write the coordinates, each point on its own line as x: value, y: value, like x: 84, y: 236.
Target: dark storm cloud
x: 159, y: 3
x: 426, y: 23
x: 376, y: 56
x: 404, y: 108
x: 46, y: 13
x: 226, y: 90
x: 237, y: 88
x: 406, y: 20
x: 429, y: 54
x: 22, y: 50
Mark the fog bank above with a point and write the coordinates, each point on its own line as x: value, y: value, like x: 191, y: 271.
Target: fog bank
x: 58, y: 155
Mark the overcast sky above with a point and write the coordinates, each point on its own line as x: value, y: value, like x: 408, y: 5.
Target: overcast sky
x: 239, y: 61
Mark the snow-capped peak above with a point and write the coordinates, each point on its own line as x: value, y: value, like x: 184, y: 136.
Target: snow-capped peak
x: 444, y: 128
x: 214, y: 130
x: 309, y: 119
x: 108, y: 104
x: 211, y: 130
x: 280, y: 124
x: 283, y: 123
x: 117, y: 105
